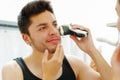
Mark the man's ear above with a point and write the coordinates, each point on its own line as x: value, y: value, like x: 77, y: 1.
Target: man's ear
x: 26, y: 38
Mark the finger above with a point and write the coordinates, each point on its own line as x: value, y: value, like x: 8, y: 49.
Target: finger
x: 116, y: 55
x: 74, y: 38
x: 56, y: 54
x: 75, y: 26
x: 61, y: 55
x: 45, y: 56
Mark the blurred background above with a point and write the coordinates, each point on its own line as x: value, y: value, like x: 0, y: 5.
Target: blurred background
x: 98, y: 15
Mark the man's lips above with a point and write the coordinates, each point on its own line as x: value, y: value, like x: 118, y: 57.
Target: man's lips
x: 54, y: 40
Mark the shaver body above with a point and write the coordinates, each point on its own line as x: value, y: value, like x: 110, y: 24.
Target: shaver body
x: 66, y: 30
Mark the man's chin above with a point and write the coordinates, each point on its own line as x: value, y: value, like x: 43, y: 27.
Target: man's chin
x: 52, y: 51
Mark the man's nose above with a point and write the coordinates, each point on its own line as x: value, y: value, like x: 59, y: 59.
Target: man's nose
x: 53, y: 30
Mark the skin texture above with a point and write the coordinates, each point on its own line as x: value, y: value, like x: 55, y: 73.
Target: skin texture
x: 93, y: 66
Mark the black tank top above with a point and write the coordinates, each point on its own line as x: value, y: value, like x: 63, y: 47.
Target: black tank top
x: 67, y: 72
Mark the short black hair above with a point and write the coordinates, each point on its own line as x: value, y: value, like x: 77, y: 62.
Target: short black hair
x: 119, y: 1
x: 32, y: 8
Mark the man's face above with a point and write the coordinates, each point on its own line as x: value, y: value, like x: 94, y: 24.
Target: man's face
x: 118, y: 13
x: 44, y: 33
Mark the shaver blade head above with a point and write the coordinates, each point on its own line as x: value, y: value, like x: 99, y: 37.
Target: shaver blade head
x: 64, y: 29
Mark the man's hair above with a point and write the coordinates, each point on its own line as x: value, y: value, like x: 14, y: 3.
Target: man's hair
x: 119, y: 1
x: 31, y: 9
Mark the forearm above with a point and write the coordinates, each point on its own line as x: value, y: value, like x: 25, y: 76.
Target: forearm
x: 103, y: 67
x: 116, y: 78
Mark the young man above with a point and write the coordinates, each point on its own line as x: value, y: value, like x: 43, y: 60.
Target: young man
x: 116, y: 56
x: 47, y: 61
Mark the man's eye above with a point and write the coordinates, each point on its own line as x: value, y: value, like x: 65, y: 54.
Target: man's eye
x: 42, y: 28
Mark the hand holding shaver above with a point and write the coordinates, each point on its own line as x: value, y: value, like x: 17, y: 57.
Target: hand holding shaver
x: 67, y: 30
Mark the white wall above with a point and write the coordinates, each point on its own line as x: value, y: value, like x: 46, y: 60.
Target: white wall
x: 11, y: 45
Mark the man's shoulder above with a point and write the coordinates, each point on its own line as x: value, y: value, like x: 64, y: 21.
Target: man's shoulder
x: 73, y: 58
x: 75, y: 62
x: 10, y: 69
x: 11, y: 65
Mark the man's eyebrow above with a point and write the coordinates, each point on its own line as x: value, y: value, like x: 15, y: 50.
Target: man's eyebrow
x: 54, y: 21
x: 42, y: 24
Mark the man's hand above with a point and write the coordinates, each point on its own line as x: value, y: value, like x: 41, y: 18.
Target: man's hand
x: 86, y: 44
x: 51, y: 67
